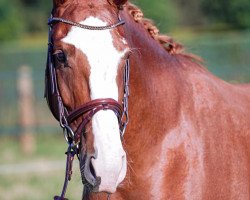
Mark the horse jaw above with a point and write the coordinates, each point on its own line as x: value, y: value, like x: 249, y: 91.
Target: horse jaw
x: 103, y: 59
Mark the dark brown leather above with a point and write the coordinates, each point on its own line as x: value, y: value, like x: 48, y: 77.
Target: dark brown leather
x: 59, y: 198
x: 71, y: 152
x: 89, y: 109
x: 103, y: 104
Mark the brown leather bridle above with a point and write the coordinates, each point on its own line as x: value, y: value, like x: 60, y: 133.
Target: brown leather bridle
x: 87, y: 110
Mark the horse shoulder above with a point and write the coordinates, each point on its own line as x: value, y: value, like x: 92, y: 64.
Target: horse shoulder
x: 221, y: 116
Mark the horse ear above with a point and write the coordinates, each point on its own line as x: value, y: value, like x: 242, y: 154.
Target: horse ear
x: 119, y: 3
x: 59, y: 2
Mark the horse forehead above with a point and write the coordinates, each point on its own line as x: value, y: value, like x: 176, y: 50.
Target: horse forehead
x: 93, y: 43
x: 103, y: 57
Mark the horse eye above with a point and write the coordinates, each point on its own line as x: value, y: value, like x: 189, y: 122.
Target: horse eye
x: 60, y: 57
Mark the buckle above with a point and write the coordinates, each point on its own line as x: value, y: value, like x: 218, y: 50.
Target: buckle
x: 69, y: 134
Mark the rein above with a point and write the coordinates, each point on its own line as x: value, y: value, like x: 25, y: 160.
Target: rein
x: 87, y: 110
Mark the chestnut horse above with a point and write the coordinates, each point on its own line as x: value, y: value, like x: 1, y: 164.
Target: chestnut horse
x: 188, y: 135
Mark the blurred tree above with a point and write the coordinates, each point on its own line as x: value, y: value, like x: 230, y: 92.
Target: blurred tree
x: 233, y: 13
x: 164, y: 12
x: 191, y: 12
x: 36, y: 14
x: 11, y: 21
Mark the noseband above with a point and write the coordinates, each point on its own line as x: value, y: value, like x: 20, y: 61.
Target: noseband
x: 87, y: 110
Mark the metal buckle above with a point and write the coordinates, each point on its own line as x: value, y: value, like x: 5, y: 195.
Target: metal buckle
x: 68, y: 134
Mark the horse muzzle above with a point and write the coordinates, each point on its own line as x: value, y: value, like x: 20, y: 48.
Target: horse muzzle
x: 89, y: 178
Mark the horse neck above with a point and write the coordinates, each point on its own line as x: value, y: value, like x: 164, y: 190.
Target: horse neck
x: 155, y: 83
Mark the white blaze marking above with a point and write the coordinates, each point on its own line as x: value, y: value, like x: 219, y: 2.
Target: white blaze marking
x: 184, y: 134
x: 104, y: 60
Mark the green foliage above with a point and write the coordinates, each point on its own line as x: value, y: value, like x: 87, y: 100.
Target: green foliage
x: 233, y: 13
x: 191, y: 12
x: 11, y: 21
x: 164, y: 12
x: 18, y: 17
x: 36, y: 14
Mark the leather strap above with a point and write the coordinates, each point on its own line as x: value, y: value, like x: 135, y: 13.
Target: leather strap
x: 100, y: 104
x: 71, y: 152
x: 89, y: 109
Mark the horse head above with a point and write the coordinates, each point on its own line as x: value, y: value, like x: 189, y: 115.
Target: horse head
x: 88, y: 53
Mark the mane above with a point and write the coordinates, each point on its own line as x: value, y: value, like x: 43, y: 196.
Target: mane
x: 165, y: 41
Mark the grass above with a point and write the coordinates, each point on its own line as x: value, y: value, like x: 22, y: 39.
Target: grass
x: 36, y: 184
x: 47, y: 147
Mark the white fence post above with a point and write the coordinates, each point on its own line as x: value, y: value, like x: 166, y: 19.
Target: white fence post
x: 26, y: 109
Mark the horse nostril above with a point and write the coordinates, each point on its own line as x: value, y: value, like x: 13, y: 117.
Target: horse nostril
x: 92, y: 170
x: 88, y: 173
